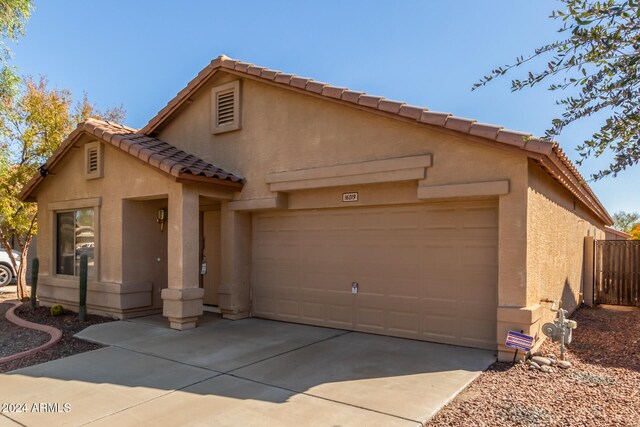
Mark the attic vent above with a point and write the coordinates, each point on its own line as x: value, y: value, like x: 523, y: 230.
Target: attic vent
x: 93, y: 160
x: 225, y: 101
x: 226, y: 108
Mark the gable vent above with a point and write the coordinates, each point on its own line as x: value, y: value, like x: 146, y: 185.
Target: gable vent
x: 92, y: 161
x: 226, y: 108
x: 225, y: 100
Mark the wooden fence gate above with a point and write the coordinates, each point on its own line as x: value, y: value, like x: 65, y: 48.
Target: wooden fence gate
x: 617, y: 271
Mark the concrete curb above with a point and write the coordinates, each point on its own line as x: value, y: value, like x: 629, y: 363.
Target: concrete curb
x: 56, y: 334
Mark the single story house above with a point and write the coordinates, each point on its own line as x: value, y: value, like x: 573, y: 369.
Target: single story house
x: 260, y: 193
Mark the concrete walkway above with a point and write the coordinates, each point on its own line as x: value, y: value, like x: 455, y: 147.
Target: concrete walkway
x: 248, y: 372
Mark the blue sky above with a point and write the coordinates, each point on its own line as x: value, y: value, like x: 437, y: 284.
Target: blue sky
x: 428, y: 53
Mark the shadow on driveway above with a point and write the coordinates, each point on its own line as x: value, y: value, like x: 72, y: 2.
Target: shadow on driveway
x: 251, y: 371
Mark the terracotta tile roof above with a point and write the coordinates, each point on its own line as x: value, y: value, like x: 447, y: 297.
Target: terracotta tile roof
x: 159, y: 154
x: 547, y: 153
x: 361, y: 99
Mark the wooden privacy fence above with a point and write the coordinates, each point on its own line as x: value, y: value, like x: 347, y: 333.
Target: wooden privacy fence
x: 617, y: 272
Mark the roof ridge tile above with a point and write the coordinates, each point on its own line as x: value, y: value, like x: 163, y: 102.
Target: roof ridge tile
x: 369, y: 100
x: 434, y: 117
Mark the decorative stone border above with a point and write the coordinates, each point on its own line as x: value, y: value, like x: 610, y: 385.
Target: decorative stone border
x: 56, y: 334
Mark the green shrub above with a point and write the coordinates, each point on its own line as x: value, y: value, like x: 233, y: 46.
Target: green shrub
x: 57, y: 310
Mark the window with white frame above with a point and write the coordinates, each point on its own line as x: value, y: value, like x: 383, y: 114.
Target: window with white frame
x: 75, y: 236
x: 226, y: 107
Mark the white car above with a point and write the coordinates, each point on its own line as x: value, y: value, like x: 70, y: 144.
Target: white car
x: 7, y: 273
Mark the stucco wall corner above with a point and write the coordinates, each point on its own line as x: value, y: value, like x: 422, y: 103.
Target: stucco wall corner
x: 526, y: 320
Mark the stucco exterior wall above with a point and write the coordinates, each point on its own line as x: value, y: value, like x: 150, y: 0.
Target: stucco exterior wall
x: 284, y: 130
x: 144, y: 246
x: 558, y: 225
x: 540, y: 235
x: 125, y: 177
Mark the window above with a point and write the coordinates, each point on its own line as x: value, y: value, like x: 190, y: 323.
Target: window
x: 75, y: 236
x: 225, y: 106
x: 93, y: 160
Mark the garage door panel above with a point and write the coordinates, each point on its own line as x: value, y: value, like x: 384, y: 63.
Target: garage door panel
x: 340, y: 316
x: 440, y: 307
x: 438, y: 291
x: 475, y: 334
x: 404, y: 306
x: 401, y: 287
x: 439, y: 218
x: 405, y: 256
x: 401, y: 322
x: 315, y: 312
x: 486, y: 255
x: 288, y: 309
x: 424, y: 271
x: 369, y: 256
x: 439, y: 256
x: 370, y: 318
x: 435, y: 327
x: 265, y: 250
x: 473, y: 309
x: 339, y: 283
x: 371, y: 286
x: 474, y: 292
x: 405, y: 219
x: 371, y: 221
x: 485, y: 217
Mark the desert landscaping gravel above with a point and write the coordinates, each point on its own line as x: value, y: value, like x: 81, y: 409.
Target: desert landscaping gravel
x: 14, y: 339
x: 68, y: 323
x: 602, y: 388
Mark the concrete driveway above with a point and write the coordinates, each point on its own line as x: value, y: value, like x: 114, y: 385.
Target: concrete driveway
x: 248, y: 372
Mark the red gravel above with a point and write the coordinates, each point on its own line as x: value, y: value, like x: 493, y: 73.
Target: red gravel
x: 602, y: 388
x: 68, y: 323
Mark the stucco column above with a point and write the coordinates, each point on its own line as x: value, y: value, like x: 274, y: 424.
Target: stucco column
x: 588, y: 271
x: 513, y: 313
x: 235, y: 263
x: 183, y: 299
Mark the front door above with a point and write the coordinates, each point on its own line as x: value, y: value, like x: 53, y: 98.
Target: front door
x: 210, y: 256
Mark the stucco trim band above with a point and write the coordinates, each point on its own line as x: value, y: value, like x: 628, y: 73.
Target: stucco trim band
x: 92, y: 202
x: 371, y: 172
x: 520, y: 315
x: 103, y: 296
x: 278, y: 202
x: 472, y: 189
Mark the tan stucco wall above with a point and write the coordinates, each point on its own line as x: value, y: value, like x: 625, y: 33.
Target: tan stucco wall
x: 144, y: 250
x: 125, y: 177
x: 283, y: 130
x: 558, y: 225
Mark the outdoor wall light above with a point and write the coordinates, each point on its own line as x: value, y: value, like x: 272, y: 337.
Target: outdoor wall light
x: 162, y: 218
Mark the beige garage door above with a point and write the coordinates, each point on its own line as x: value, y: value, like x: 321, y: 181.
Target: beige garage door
x: 426, y: 271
